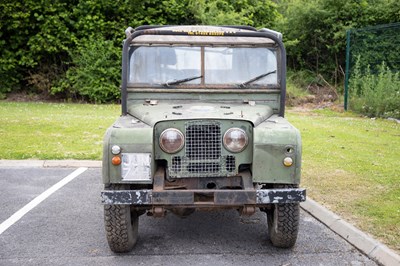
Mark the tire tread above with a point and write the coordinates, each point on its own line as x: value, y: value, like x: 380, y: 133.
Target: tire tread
x: 283, y: 233
x: 121, y: 227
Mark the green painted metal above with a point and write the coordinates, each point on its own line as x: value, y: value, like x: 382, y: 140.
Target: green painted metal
x: 179, y: 110
x: 132, y: 138
x: 274, y: 140
x: 148, y: 111
x: 267, y: 97
x: 241, y: 158
x: 105, y: 168
x: 270, y: 143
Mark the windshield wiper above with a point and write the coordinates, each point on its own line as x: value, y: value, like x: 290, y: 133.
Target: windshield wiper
x: 179, y: 81
x: 244, y: 84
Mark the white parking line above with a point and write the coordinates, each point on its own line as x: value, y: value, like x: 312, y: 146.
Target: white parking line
x: 36, y: 201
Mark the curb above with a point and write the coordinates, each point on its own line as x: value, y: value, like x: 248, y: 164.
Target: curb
x: 366, y: 244
x: 363, y: 242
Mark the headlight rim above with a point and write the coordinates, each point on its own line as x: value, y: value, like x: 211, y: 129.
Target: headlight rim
x: 226, y: 145
x: 179, y: 133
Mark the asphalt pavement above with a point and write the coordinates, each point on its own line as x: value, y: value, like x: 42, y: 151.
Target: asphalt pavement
x: 66, y: 228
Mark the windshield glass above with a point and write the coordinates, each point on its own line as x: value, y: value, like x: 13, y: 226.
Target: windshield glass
x: 166, y: 66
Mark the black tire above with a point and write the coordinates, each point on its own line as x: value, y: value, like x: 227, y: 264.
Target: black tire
x: 283, y: 224
x: 121, y: 226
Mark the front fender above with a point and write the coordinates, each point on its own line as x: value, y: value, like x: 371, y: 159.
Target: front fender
x: 132, y: 138
x: 274, y: 140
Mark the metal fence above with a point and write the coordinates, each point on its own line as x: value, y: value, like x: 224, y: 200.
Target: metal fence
x: 373, y: 45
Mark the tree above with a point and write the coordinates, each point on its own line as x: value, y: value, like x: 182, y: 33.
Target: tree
x: 315, y: 30
x: 38, y: 38
x: 227, y: 12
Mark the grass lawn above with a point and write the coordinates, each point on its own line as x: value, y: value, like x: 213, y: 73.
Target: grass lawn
x: 54, y: 131
x: 350, y: 164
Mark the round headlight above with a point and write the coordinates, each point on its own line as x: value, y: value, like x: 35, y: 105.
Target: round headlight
x: 235, y: 140
x: 171, y: 140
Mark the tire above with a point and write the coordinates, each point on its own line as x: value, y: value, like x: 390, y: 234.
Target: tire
x: 121, y: 226
x: 283, y: 224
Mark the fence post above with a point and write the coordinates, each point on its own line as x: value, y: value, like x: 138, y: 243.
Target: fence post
x: 347, y: 70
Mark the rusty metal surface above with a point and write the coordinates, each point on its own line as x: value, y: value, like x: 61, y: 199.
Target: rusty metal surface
x: 247, y: 210
x: 201, y: 183
x: 198, y: 198
x: 158, y: 180
x: 204, y: 197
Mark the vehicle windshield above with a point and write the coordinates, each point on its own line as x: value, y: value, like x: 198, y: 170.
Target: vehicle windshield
x: 167, y: 66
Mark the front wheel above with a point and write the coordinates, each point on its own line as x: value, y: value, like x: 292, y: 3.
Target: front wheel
x: 283, y: 224
x: 121, y: 227
x: 121, y: 224
x: 283, y: 221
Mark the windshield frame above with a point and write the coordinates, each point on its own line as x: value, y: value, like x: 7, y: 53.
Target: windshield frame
x: 202, y: 84
x: 223, y: 32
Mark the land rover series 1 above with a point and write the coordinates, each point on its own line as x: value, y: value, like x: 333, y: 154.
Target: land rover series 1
x: 202, y: 127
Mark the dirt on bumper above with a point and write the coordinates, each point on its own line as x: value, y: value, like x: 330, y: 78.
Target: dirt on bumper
x: 199, y: 198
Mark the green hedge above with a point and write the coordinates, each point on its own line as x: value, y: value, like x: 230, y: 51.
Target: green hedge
x: 375, y: 94
x: 72, y: 48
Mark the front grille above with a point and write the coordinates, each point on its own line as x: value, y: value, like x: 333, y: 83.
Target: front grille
x: 203, y: 167
x: 203, y: 141
x: 203, y: 156
x: 230, y: 163
x: 176, y: 164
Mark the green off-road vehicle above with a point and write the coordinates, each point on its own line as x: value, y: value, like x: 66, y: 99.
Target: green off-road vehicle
x: 202, y: 127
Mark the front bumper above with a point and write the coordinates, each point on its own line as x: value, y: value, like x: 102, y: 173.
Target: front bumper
x: 200, y: 198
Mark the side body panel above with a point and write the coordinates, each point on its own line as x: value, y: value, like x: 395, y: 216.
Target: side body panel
x: 274, y: 140
x: 133, y: 137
